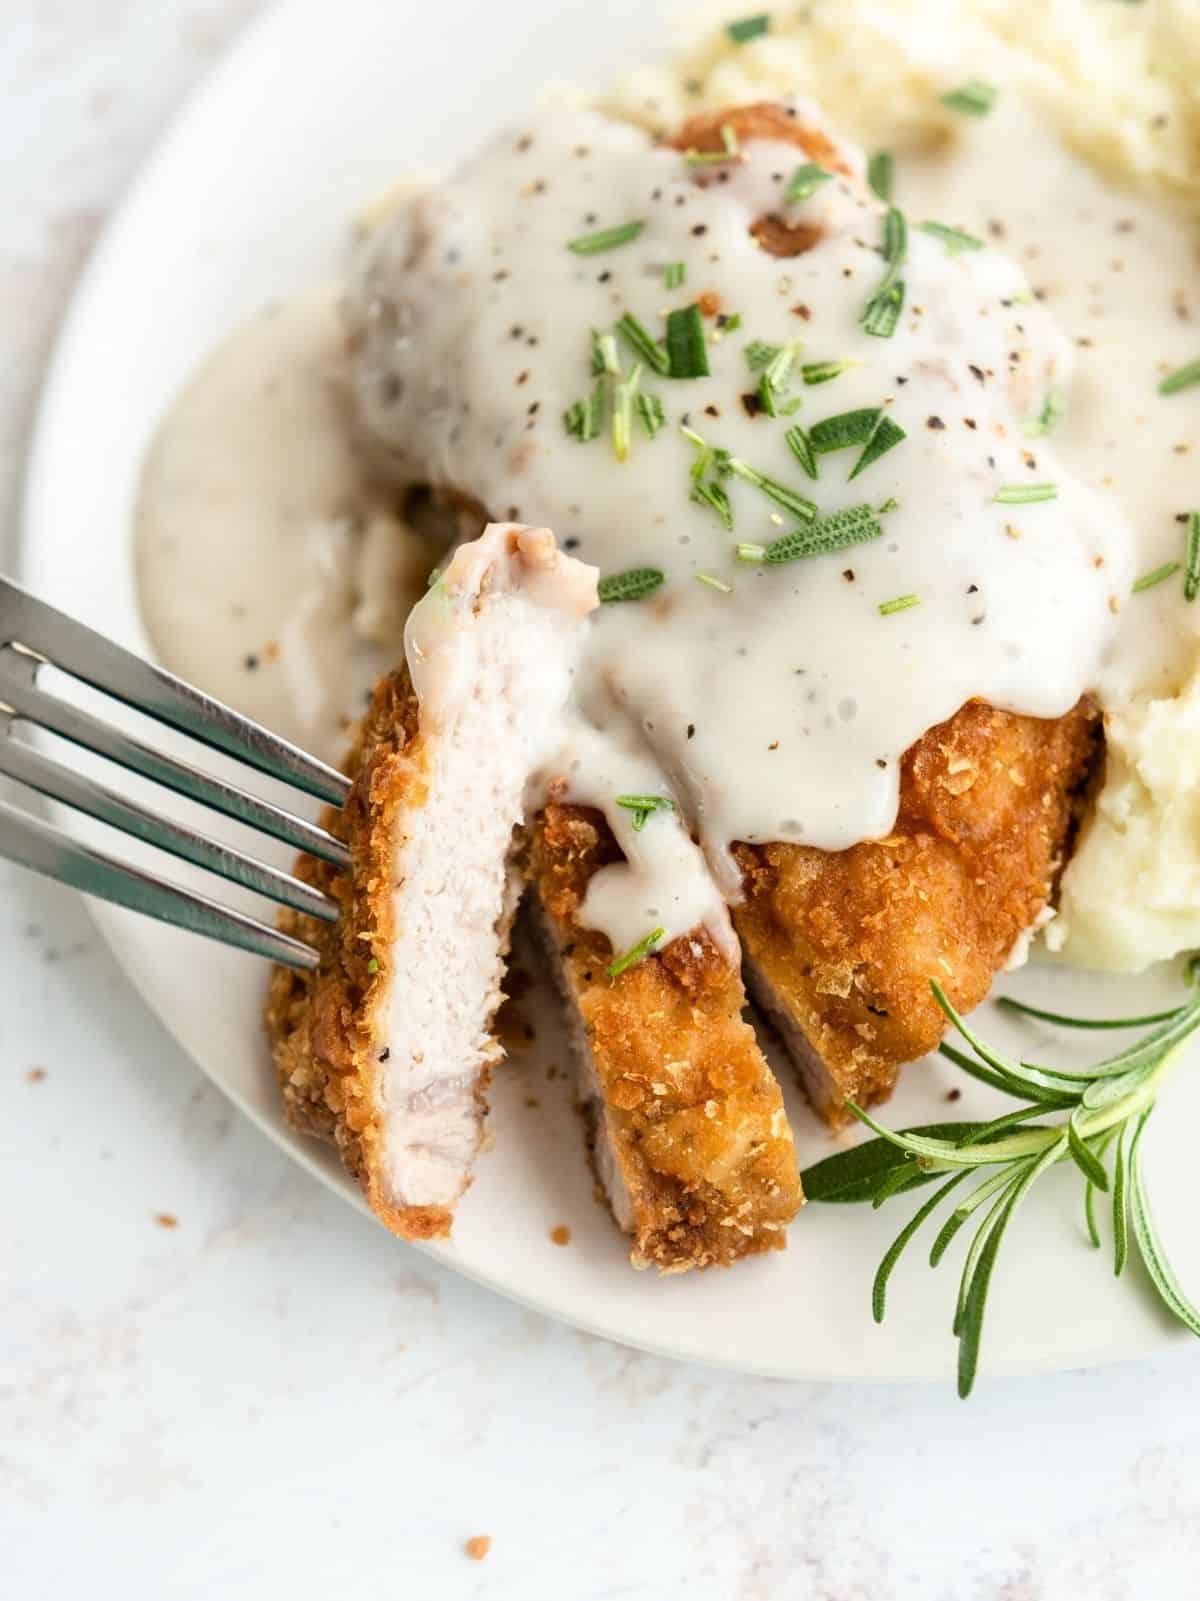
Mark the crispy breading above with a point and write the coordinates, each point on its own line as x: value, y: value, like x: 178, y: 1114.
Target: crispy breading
x: 843, y: 945
x: 692, y: 1116
x: 317, y: 1022
x: 765, y: 120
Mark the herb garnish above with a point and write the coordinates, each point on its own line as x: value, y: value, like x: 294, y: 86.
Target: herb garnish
x: 856, y: 525
x: 805, y: 182
x: 758, y: 354
x: 650, y: 410
x: 604, y: 353
x: 901, y: 603
x: 714, y: 495
x: 821, y: 372
x: 643, y: 343
x: 1025, y: 494
x: 869, y: 426
x: 881, y: 172
x: 591, y: 244
x: 686, y: 351
x: 635, y: 584
x: 585, y: 418
x: 1191, y: 573
x: 711, y: 581
x: 727, y: 465
x: 1181, y: 378
x: 745, y: 551
x: 974, y: 98
x: 1159, y: 574
x: 622, y: 412
x: 643, y: 805
x: 1108, y: 1106
x: 631, y: 958
x: 674, y: 274
x: 882, y: 311
x: 749, y: 27
x: 731, y: 150
x: 774, y: 379
x: 801, y: 447
x: 1053, y: 408
x: 954, y: 239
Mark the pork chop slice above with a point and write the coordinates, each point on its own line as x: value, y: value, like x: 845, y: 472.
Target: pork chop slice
x: 687, y: 1129
x: 840, y: 946
x: 387, y: 1048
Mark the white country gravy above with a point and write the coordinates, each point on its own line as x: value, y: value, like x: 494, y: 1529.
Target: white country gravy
x: 768, y: 700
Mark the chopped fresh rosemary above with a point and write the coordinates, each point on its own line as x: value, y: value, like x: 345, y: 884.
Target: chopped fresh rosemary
x: 856, y: 525
x: 886, y: 434
x: 901, y: 603
x: 745, y: 551
x: 801, y: 447
x: 373, y: 966
x: 954, y: 239
x: 895, y: 237
x: 591, y: 244
x: 635, y: 584
x: 1104, y: 1107
x: 821, y: 372
x: 686, y: 351
x: 799, y: 505
x: 713, y: 494
x: 1181, y: 378
x: 643, y: 344
x: 624, y: 394
x: 1157, y: 576
x: 881, y: 173
x: 604, y: 353
x: 730, y: 324
x: 642, y: 806
x: 758, y: 354
x: 710, y: 581
x: 1025, y: 494
x: 674, y: 274
x: 631, y: 958
x: 883, y: 310
x: 774, y: 379
x: 650, y: 410
x: 747, y: 28
x: 585, y: 418
x: 1191, y: 572
x: 1053, y: 408
x: 805, y: 182
x: 974, y: 98
x: 847, y: 428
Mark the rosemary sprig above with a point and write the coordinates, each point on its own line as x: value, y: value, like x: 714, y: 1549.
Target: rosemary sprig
x: 639, y: 952
x: 642, y: 806
x: 1105, y: 1106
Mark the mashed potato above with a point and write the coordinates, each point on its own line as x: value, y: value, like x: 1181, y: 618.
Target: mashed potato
x: 1121, y: 84
x: 1122, y: 81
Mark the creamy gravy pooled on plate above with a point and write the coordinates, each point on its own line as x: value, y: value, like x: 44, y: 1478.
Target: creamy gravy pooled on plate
x: 769, y: 700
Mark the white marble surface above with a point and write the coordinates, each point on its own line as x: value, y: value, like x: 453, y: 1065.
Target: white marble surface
x: 272, y: 1398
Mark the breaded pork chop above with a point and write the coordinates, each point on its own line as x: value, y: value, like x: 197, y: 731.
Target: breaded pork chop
x: 388, y: 1046
x: 840, y: 946
x: 687, y: 1128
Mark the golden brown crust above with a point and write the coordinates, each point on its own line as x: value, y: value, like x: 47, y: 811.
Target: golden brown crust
x: 848, y: 941
x: 695, y: 1116
x: 317, y: 1022
x: 764, y: 120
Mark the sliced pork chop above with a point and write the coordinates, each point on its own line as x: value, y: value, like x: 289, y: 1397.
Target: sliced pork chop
x: 388, y: 1047
x: 689, y: 1136
x: 840, y: 946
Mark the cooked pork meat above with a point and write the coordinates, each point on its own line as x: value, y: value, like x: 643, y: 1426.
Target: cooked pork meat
x: 840, y: 947
x: 388, y: 1047
x: 689, y: 1136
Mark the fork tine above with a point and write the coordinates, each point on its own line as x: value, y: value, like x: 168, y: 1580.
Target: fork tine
x: 32, y: 844
x: 29, y: 766
x: 87, y: 655
x: 48, y: 712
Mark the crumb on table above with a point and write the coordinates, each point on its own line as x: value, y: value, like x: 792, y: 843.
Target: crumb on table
x: 478, y: 1546
x: 166, y: 1220
x: 35, y: 1075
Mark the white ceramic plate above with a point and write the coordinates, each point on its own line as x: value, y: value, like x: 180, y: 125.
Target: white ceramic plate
x: 317, y: 111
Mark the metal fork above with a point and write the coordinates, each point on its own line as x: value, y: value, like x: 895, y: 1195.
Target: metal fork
x: 33, y: 636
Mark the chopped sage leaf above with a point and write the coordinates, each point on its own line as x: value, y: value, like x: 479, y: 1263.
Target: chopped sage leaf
x: 687, y: 352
